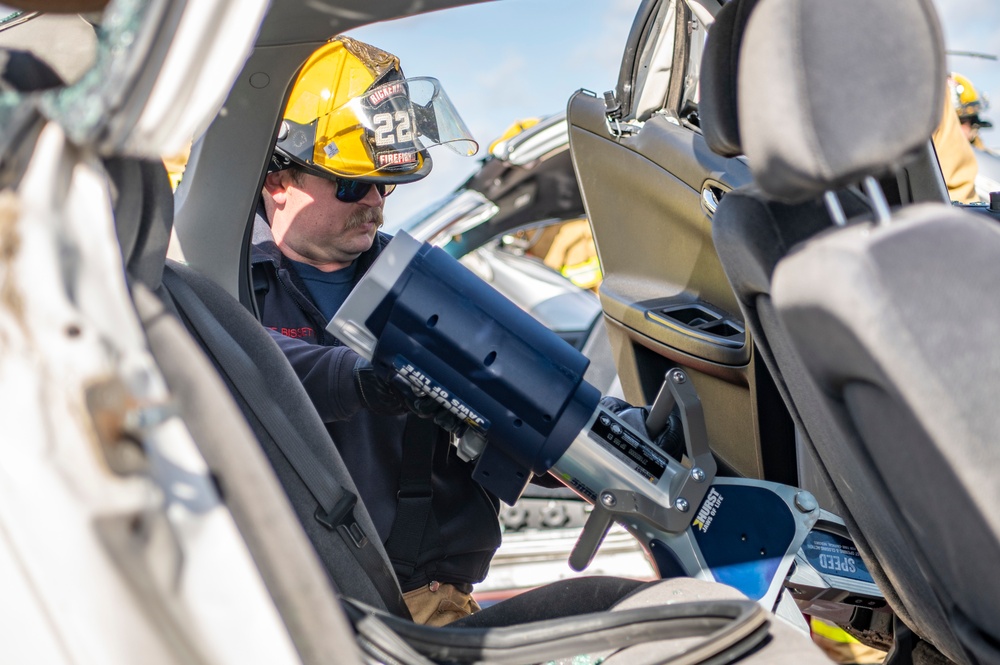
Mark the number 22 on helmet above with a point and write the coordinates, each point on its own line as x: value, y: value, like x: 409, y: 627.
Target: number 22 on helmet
x: 352, y: 114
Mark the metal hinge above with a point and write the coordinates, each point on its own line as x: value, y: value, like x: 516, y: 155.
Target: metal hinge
x: 613, y: 117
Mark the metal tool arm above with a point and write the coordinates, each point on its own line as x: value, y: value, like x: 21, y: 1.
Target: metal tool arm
x: 667, y: 506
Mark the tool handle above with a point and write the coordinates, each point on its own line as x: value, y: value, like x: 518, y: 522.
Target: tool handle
x: 659, y: 412
x: 591, y: 537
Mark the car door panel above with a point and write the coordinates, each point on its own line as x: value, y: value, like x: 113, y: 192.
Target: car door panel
x: 649, y: 196
x: 628, y: 185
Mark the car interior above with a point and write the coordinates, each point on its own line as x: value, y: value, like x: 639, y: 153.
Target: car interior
x: 753, y: 232
x: 891, y: 364
x: 666, y: 299
x: 719, y: 234
x: 311, y: 473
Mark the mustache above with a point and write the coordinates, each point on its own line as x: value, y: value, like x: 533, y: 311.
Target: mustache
x: 364, y: 216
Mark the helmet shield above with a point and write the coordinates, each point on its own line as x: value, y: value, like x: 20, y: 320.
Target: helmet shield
x: 380, y: 134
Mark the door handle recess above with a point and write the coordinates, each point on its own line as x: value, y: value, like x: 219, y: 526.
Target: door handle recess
x: 710, y: 197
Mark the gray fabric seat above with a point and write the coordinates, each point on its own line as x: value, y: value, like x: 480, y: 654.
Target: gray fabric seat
x: 912, y: 390
x: 752, y: 232
x: 862, y: 325
x: 302, y: 592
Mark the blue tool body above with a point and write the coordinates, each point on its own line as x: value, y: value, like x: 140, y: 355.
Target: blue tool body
x: 511, y: 378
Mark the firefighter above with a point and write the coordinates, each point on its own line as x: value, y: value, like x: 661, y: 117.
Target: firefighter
x: 969, y: 103
x: 355, y: 128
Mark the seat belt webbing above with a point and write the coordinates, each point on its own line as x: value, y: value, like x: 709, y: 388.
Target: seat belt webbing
x: 413, y: 501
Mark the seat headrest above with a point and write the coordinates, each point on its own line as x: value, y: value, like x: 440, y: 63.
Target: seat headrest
x: 831, y: 92
x: 719, y: 65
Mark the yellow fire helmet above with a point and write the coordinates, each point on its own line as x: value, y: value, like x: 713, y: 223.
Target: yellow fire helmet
x: 967, y: 100
x: 352, y: 114
x: 513, y: 131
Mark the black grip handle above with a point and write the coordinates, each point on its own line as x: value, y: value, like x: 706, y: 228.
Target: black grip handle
x: 591, y: 537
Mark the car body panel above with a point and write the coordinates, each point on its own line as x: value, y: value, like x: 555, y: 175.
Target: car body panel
x: 538, y: 290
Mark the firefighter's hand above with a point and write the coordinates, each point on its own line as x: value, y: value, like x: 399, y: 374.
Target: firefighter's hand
x: 392, y: 399
x: 377, y: 395
x: 670, y: 440
x: 426, y: 406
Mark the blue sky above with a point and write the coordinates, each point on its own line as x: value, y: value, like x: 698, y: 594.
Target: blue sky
x: 511, y: 59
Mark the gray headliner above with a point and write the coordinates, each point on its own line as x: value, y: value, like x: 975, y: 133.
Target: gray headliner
x: 219, y: 189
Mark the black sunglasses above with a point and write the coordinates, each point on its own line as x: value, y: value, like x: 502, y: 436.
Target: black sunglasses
x: 352, y: 191
x: 348, y: 189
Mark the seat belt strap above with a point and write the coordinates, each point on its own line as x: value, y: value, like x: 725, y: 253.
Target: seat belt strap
x: 415, y: 496
x: 260, y: 285
x: 336, y: 504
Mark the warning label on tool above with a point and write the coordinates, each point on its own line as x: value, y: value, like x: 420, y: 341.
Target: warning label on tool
x: 425, y: 384
x: 627, y: 446
x: 834, y: 555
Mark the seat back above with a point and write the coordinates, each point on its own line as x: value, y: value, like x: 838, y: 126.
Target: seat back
x: 911, y: 391
x: 251, y: 354
x: 850, y: 369
x: 301, y: 588
x: 752, y: 233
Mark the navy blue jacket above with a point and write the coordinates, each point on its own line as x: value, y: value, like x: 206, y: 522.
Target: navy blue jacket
x: 371, y: 445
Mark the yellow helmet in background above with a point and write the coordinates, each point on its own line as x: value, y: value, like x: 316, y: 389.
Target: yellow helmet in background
x: 352, y: 114
x: 967, y: 101
x: 513, y: 131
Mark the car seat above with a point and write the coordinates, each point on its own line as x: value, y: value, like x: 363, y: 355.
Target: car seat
x: 752, y: 233
x: 813, y: 65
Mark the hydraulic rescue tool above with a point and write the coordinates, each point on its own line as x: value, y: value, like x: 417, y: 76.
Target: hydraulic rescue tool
x: 428, y: 323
